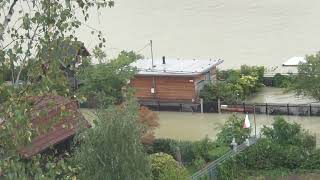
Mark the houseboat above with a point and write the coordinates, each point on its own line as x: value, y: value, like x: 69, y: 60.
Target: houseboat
x: 172, y: 82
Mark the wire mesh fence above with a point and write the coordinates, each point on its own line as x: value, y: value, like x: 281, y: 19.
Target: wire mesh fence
x: 268, y: 108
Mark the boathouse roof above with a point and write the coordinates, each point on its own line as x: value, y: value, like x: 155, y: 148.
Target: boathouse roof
x: 294, y: 61
x: 174, y: 67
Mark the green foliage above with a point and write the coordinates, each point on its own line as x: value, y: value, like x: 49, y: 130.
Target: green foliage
x: 233, y: 128
x: 195, y: 154
x: 199, y: 162
x: 254, y: 71
x: 39, y: 167
x: 226, y: 92
x: 103, y: 83
x: 282, y: 146
x: 307, y: 81
x: 234, y: 85
x: 168, y: 146
x: 164, y: 167
x: 113, y: 149
x: 285, y: 133
x: 282, y: 81
x: 218, y: 151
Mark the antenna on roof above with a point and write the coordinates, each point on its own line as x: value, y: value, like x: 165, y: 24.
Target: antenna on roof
x: 152, y: 65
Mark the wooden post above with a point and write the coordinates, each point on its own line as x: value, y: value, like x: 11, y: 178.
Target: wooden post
x: 219, y: 105
x: 254, y: 118
x: 158, y: 106
x: 266, y: 108
x: 310, y: 110
x: 201, y: 104
x: 244, y: 107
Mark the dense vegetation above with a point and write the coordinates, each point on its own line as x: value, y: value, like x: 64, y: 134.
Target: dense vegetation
x: 307, y: 81
x: 283, y: 146
x: 234, y: 85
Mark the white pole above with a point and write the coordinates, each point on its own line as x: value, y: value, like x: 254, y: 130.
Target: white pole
x: 201, y: 102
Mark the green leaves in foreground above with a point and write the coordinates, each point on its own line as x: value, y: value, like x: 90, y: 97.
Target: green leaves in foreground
x: 113, y: 149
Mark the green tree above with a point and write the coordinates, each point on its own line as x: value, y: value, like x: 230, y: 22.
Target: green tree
x: 307, y: 81
x: 233, y: 128
x: 113, y: 149
x: 33, y: 35
x: 103, y: 83
x: 223, y: 91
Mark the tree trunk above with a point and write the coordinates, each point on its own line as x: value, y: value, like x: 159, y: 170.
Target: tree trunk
x: 7, y: 19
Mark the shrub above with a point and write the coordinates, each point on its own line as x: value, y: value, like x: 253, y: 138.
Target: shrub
x: 233, y: 128
x: 189, y: 150
x: 282, y: 81
x: 164, y: 145
x: 217, y: 152
x: 113, y: 149
x: 285, y: 133
x: 164, y: 167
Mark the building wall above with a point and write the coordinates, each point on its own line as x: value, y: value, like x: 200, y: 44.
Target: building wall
x: 203, y: 79
x: 167, y: 88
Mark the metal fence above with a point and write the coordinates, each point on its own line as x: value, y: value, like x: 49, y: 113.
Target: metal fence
x: 268, y: 108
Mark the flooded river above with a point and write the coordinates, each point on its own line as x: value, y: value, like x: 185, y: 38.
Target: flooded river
x: 278, y: 95
x: 195, y: 126
x: 264, y: 32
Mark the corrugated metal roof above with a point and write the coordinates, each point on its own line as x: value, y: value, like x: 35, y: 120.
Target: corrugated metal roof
x: 174, y: 67
x: 60, y: 128
x: 294, y: 61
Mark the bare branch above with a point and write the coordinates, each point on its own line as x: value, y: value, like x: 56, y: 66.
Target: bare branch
x: 25, y: 56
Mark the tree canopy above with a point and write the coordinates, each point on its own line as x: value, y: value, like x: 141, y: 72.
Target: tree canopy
x: 307, y: 81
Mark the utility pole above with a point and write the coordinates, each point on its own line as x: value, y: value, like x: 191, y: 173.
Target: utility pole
x: 151, y: 54
x: 153, y: 89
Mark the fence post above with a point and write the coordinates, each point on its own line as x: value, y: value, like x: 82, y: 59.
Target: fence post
x: 310, y: 110
x: 244, y: 107
x: 288, y: 109
x: 266, y: 108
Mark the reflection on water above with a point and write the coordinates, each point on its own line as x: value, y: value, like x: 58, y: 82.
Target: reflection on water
x: 195, y: 126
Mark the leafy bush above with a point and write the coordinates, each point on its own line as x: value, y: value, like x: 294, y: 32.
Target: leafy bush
x: 217, y: 152
x: 167, y: 146
x: 39, y: 167
x: 199, y: 162
x: 164, y: 167
x: 189, y: 150
x: 285, y: 133
x: 282, y: 81
x: 283, y: 145
x: 234, y: 85
x: 113, y: 149
x: 233, y: 128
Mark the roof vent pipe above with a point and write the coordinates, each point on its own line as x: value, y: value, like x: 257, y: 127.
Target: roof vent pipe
x: 163, y: 60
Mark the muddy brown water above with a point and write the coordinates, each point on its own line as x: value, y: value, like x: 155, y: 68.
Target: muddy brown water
x: 195, y: 126
x: 264, y: 32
